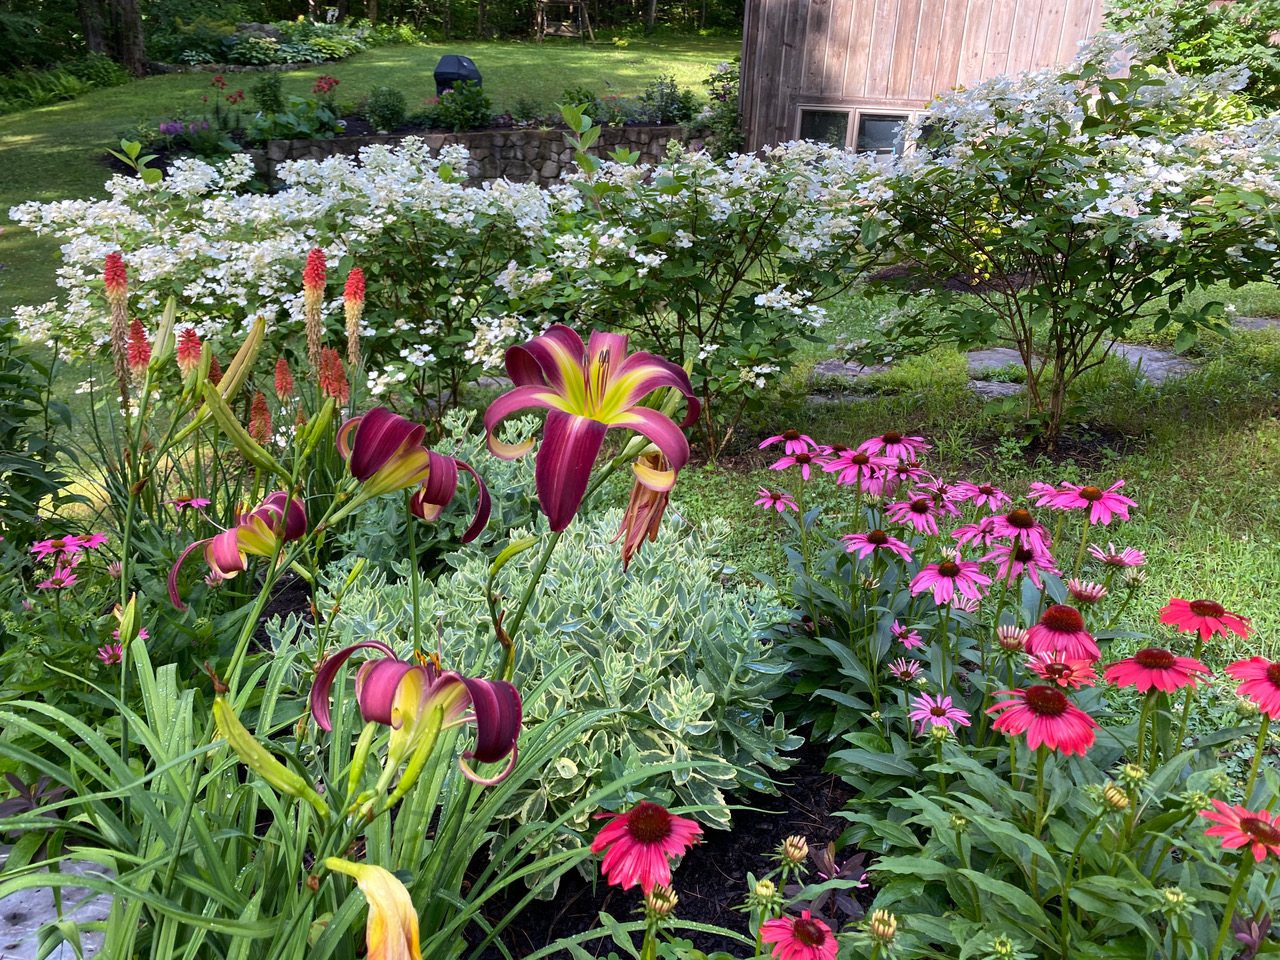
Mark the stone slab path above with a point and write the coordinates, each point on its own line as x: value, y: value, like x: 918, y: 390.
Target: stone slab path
x: 23, y: 914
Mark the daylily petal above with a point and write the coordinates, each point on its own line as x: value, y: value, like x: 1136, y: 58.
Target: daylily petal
x: 377, y: 687
x: 173, y: 573
x: 279, y: 506
x: 380, y: 436
x: 552, y: 359
x: 392, y: 929
x: 497, y: 711
x: 483, y: 505
x: 223, y: 554
x: 643, y: 373
x: 666, y: 436
x: 521, y: 398
x: 328, y: 670
x: 408, y: 467
x: 345, y: 433
x: 570, y: 445
x: 437, y: 490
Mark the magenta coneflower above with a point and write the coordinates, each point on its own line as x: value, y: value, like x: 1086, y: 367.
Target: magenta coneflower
x: 780, y: 501
x: 983, y: 495
x: 866, y: 471
x: 1154, y: 667
x: 639, y: 843
x: 61, y: 578
x: 191, y: 503
x: 982, y: 533
x: 68, y: 546
x: 94, y: 540
x: 1206, y: 616
x: 1128, y: 557
x: 904, y: 669
x: 111, y: 653
x: 902, y: 473
x: 864, y: 544
x: 1084, y: 591
x: 1055, y: 668
x: 1041, y: 493
x: 919, y: 513
x: 806, y: 938
x: 906, y: 636
x: 1240, y: 827
x: 793, y: 442
x: 1261, y: 683
x: 1062, y: 628
x: 1014, y: 559
x: 801, y: 460
x: 1011, y: 637
x: 1047, y: 717
x: 948, y: 578
x: 895, y: 445
x: 1021, y: 527
x: 937, y: 712
x: 1102, y: 505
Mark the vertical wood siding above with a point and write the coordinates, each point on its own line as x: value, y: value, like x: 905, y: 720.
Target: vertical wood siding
x: 900, y: 53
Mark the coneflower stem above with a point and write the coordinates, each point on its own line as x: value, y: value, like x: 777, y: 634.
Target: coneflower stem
x: 1246, y: 865
x: 1186, y: 704
x: 1257, y: 757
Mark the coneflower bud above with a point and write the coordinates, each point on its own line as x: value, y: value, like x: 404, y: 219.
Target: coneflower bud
x: 353, y: 305
x: 794, y: 849
x: 765, y: 889
x: 1115, y: 797
x: 661, y: 901
x: 115, y: 569
x: 139, y: 350
x: 1175, y: 902
x: 260, y: 418
x: 116, y: 280
x: 1084, y: 591
x: 215, y: 371
x: 1134, y: 578
x: 1131, y: 774
x: 284, y: 380
x: 883, y: 927
x: 313, y: 279
x: 1011, y: 637
x: 188, y: 353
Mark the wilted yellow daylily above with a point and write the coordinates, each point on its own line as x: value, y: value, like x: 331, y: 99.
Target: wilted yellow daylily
x: 392, y: 930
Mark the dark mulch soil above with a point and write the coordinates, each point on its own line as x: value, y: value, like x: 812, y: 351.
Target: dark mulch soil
x: 711, y: 880
x: 954, y: 284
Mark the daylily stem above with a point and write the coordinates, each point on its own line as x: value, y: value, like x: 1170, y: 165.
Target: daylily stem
x: 413, y: 576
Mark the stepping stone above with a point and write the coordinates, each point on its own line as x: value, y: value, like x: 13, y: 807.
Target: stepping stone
x: 846, y: 371
x: 992, y: 358
x: 24, y: 913
x: 995, y: 389
x: 1256, y: 323
x: 1155, y: 364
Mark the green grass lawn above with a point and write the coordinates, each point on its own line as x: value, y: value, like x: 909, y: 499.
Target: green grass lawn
x: 53, y: 152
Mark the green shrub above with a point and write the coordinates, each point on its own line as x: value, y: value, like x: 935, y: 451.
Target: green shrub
x: 99, y: 70
x: 38, y: 89
x: 266, y: 93
x: 465, y: 107
x: 254, y: 51
x: 665, y: 102
x: 385, y: 108
x: 528, y: 109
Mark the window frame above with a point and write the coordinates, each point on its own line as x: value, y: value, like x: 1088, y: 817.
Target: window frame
x: 855, y: 112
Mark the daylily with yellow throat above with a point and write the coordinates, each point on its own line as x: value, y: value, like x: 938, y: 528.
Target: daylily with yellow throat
x: 585, y: 391
x: 392, y: 930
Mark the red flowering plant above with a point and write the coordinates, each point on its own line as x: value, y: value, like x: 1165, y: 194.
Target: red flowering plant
x: 1017, y: 778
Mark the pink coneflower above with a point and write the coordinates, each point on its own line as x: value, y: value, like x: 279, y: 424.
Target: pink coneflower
x: 1013, y: 559
x: 61, y: 578
x: 94, y: 540
x: 864, y: 544
x: 895, y: 445
x: 904, y: 669
x: 1128, y: 557
x: 902, y: 473
x: 948, y: 578
x: 1041, y: 493
x: 115, y: 569
x: 793, y: 442
x: 1061, y: 628
x: 983, y: 495
x: 139, y: 349
x: 1021, y: 527
x: 834, y: 449
x: 68, y: 546
x: 188, y: 351
x: 1154, y: 667
x: 1011, y: 637
x: 982, y: 533
x: 1085, y: 591
x: 780, y: 501
x: 906, y: 636
x: 963, y: 604
x: 801, y: 460
x: 1206, y: 616
x: 213, y: 579
x: 260, y: 418
x: 1055, y: 668
x: 192, y: 503
x: 1102, y: 505
x: 937, y: 712
x: 639, y: 843
x: 1047, y: 717
x: 918, y: 513
x: 866, y: 471
x: 284, y: 380
x: 1261, y: 683
x: 111, y: 653
x: 806, y: 938
x: 1240, y: 827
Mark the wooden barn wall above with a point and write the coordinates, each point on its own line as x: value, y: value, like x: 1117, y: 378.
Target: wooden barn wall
x: 897, y: 52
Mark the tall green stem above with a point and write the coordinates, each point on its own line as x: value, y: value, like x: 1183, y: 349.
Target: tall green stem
x: 1186, y: 702
x: 1246, y: 864
x: 1257, y: 757
x: 413, y: 575
x: 804, y: 532
x: 1084, y: 540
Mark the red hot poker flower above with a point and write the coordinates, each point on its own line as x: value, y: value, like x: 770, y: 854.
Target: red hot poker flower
x: 260, y: 419
x: 284, y: 380
x: 188, y: 352
x: 115, y: 277
x: 333, y: 376
x: 139, y: 348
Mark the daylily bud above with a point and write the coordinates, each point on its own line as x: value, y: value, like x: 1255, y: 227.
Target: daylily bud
x: 644, y: 512
x: 257, y: 758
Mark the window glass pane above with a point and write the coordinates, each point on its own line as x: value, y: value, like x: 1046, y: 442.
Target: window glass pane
x: 878, y: 133
x: 825, y: 126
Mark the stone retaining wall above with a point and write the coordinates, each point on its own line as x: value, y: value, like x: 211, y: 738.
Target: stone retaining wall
x: 153, y: 67
x: 518, y: 155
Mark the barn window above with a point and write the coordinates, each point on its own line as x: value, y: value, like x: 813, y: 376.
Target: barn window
x: 825, y: 126
x: 880, y: 133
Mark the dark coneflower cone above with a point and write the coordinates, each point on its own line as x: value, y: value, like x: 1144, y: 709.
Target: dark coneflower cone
x: 353, y: 306
x: 313, y: 280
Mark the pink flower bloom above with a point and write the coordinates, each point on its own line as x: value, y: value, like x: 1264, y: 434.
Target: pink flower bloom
x: 780, y: 501
x: 640, y: 843
x: 963, y: 604
x: 807, y: 938
x: 918, y: 513
x: 982, y: 533
x: 902, y: 473
x: 937, y: 712
x: 866, y: 471
x: 183, y: 503
x: 1056, y: 668
x: 1240, y: 827
x: 1261, y: 683
x: 983, y: 495
x: 111, y: 653
x: 1021, y: 527
x: 94, y: 540
x: 793, y: 442
x: 142, y: 634
x: 904, y: 669
x: 60, y: 578
x: 1013, y: 559
x: 895, y: 445
x: 1206, y: 616
x: 801, y: 460
x: 906, y: 636
x: 1128, y: 557
x: 1102, y: 505
x: 1153, y: 667
x: 864, y: 544
x: 1083, y: 591
x: 139, y: 348
x: 189, y: 348
x: 1047, y: 717
x: 51, y: 548
x: 948, y: 578
x: 1061, y: 628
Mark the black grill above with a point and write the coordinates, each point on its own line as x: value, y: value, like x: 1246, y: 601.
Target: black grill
x: 454, y: 68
